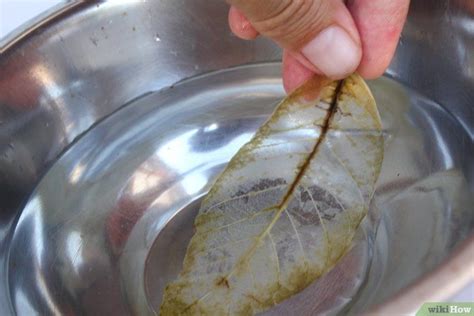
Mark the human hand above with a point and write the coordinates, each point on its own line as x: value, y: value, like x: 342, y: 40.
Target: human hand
x: 324, y: 36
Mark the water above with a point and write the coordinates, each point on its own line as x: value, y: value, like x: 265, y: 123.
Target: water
x: 123, y: 198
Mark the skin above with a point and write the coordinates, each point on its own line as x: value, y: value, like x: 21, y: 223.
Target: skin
x: 374, y: 24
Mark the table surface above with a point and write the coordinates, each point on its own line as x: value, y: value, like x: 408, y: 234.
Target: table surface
x: 14, y: 13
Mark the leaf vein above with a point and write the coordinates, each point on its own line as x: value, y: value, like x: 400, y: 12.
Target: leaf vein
x: 297, y: 237
x: 253, y: 193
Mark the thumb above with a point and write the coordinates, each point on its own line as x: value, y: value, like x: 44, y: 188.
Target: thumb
x: 321, y: 34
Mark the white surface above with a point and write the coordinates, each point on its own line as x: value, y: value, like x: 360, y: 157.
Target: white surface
x: 466, y: 295
x: 13, y: 13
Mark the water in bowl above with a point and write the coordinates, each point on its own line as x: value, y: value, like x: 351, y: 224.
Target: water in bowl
x: 108, y: 225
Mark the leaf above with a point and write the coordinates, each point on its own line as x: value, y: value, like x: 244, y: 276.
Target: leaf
x: 287, y: 206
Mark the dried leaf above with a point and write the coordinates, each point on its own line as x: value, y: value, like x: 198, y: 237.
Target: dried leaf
x: 287, y: 206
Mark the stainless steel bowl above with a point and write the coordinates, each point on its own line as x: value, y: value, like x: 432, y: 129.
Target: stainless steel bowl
x: 115, y: 117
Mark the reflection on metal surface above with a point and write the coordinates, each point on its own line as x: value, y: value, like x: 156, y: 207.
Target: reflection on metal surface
x: 76, y: 173
x: 38, y: 233
x: 90, y: 59
x: 45, y: 78
x: 74, y: 250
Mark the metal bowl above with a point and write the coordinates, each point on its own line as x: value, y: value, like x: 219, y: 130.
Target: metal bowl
x: 116, y: 116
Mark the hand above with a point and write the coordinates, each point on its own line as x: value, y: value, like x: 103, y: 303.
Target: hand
x: 324, y: 36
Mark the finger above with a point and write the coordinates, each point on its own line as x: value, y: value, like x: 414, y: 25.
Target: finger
x: 322, y: 31
x: 240, y: 26
x: 380, y: 23
x: 294, y: 72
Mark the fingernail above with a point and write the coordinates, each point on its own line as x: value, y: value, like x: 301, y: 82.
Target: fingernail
x: 333, y: 52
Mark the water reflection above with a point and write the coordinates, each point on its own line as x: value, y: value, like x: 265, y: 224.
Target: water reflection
x: 193, y: 183
x: 216, y: 135
x: 177, y: 152
x: 144, y: 186
x: 145, y: 179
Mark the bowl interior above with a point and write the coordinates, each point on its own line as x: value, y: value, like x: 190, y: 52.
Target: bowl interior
x: 110, y: 220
